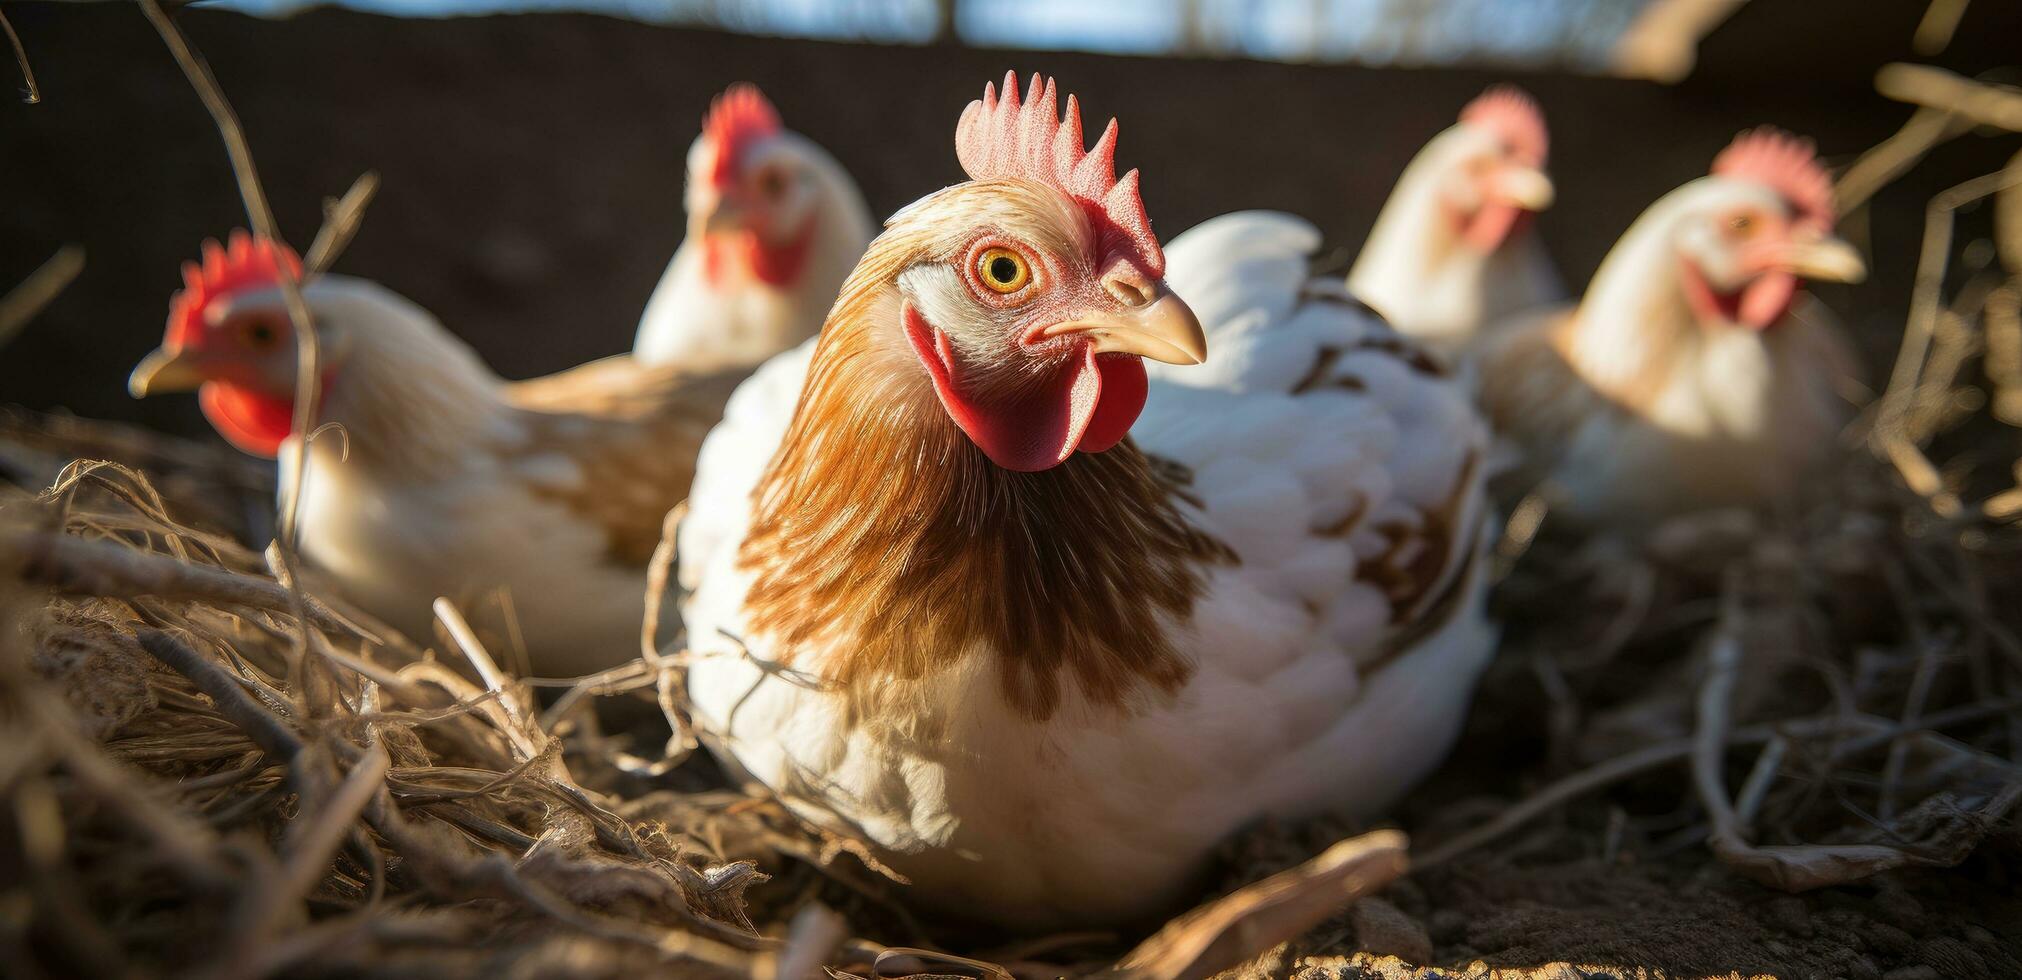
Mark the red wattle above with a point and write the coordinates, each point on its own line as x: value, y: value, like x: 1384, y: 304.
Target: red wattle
x: 1759, y: 305
x: 255, y: 423
x: 1492, y: 225
x: 1089, y: 406
x: 1765, y: 301
x: 773, y: 265
x: 1124, y: 387
x: 780, y: 265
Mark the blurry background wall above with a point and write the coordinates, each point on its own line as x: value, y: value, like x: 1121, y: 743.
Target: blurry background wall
x: 531, y: 163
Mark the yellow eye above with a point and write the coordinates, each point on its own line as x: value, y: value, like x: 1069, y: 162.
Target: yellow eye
x: 1003, y: 270
x: 1741, y: 224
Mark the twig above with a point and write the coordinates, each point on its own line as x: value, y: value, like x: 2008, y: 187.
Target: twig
x: 2008, y: 223
x: 1984, y: 104
x: 1891, y: 435
x: 1928, y: 662
x: 73, y: 564
x: 238, y: 707
x: 1940, y: 22
x: 510, y: 721
x: 669, y: 672
x: 1893, y: 157
x: 658, y: 570
x: 261, y: 215
x: 341, y: 218
x: 22, y: 303
x: 1231, y: 930
x: 1873, y: 731
x: 188, y: 845
x: 30, y: 92
x: 1748, y: 803
x: 1709, y: 742
x: 312, y: 844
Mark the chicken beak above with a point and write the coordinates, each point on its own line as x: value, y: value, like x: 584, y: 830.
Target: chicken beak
x: 1524, y: 187
x: 1823, y: 258
x: 723, y: 219
x: 1164, y: 329
x: 164, y: 370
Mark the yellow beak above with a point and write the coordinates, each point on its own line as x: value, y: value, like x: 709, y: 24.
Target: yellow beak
x: 1525, y: 187
x: 1164, y: 330
x: 163, y: 370
x: 1824, y: 259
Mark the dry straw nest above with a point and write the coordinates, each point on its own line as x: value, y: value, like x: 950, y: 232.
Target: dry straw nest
x: 213, y: 767
x: 208, y: 770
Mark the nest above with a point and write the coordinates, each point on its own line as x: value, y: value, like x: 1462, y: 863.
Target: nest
x: 216, y: 768
x: 213, y: 770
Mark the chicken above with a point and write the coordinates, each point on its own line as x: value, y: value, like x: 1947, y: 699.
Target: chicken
x: 1452, y: 249
x: 774, y: 224
x: 446, y: 479
x: 1042, y: 625
x: 1693, y: 372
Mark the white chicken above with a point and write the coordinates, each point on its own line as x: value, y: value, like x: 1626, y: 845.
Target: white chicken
x: 1453, y: 249
x: 774, y: 225
x: 944, y: 602
x: 1693, y: 372
x: 446, y: 479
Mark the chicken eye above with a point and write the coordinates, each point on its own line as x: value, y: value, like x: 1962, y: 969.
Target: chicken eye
x: 771, y: 183
x: 1741, y: 224
x: 258, y: 334
x: 1003, y: 270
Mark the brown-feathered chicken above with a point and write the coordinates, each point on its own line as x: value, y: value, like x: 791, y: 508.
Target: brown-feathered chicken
x: 1694, y: 372
x: 1045, y: 622
x: 446, y: 480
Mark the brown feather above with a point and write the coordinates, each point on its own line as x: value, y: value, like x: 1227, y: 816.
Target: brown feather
x: 632, y: 431
x: 883, y: 534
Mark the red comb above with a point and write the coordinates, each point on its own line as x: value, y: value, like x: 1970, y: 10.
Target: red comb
x: 1785, y: 163
x: 1514, y: 117
x: 1004, y: 137
x: 737, y: 118
x: 243, y: 262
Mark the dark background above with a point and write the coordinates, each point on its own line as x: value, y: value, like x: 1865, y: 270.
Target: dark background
x: 532, y: 162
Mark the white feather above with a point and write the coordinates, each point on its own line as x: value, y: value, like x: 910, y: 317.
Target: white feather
x: 1097, y: 815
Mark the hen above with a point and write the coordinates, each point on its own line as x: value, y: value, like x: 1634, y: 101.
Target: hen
x: 774, y: 224
x: 1452, y: 249
x: 1693, y: 372
x: 1042, y: 625
x: 446, y: 480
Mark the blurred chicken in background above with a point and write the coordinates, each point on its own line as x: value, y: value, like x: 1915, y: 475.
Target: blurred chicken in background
x: 1693, y: 372
x: 774, y: 226
x: 1453, y: 249
x: 446, y: 479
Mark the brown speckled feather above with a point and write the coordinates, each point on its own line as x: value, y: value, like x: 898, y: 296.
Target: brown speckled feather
x: 615, y: 441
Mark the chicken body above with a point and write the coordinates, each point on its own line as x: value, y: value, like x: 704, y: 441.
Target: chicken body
x: 1453, y: 249
x: 1045, y: 696
x: 774, y: 226
x: 1691, y: 374
x: 533, y: 505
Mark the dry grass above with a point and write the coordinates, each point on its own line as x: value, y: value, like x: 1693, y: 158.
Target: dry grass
x: 215, y: 773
